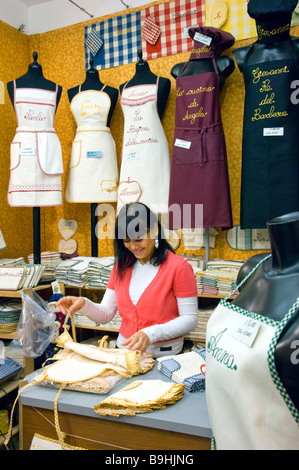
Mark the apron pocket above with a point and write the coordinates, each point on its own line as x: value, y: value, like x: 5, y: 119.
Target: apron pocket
x: 198, y: 147
x: 215, y: 145
x: 15, y: 155
x: 49, y: 153
x: 187, y: 149
x: 76, y: 154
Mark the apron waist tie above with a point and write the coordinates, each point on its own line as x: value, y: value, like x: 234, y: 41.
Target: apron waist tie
x: 35, y: 129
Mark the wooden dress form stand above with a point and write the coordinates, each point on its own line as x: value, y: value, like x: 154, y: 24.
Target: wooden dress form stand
x: 36, y: 236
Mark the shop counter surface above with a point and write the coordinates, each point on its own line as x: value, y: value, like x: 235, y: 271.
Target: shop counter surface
x: 185, y: 424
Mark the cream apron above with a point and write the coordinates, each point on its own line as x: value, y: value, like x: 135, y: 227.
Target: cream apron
x: 248, y: 405
x: 145, y: 166
x: 35, y: 152
x: 93, y: 173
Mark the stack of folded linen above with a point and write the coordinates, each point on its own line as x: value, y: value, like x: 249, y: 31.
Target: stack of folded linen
x: 219, y: 278
x: 85, y: 271
x: 99, y: 271
x: 199, y: 332
x: 83, y: 320
x: 20, y: 276
x: 187, y: 369
x: 232, y: 266
x: 12, y: 261
x: 10, y: 311
x: 49, y: 259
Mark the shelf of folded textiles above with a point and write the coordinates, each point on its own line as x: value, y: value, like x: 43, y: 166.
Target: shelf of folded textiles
x: 210, y: 296
x: 82, y: 321
x: 79, y: 288
x: 17, y: 293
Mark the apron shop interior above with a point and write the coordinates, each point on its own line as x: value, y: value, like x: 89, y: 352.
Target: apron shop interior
x: 149, y: 229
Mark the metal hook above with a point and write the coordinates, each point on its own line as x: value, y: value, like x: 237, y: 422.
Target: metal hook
x: 127, y: 6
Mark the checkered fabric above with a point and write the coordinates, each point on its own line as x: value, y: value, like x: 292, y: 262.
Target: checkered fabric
x: 122, y: 39
x: 238, y: 22
x: 150, y: 31
x: 218, y: 14
x: 172, y: 19
x: 94, y: 42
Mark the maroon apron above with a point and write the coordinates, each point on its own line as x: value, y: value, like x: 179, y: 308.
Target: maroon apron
x: 199, y: 173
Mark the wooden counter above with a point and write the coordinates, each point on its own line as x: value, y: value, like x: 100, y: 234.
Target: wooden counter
x: 182, y: 426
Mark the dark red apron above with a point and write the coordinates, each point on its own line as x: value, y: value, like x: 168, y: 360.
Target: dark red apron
x: 199, y: 173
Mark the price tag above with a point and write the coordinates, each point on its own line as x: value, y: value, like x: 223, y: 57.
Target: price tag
x: 202, y: 38
x: 182, y: 143
x: 245, y: 330
x: 132, y: 156
x: 27, y: 151
x: 94, y: 154
x: 273, y: 131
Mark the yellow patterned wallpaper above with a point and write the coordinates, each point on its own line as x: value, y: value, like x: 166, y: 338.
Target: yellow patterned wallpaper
x: 15, y: 223
x: 61, y: 53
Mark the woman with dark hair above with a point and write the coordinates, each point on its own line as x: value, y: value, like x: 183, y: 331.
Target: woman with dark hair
x: 153, y: 289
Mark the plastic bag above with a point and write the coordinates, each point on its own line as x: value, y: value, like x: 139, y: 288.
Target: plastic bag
x: 36, y: 326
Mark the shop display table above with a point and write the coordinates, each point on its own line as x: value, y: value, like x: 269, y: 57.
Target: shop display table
x: 182, y: 426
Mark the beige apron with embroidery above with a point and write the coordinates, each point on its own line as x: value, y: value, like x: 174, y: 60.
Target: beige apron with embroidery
x: 93, y: 175
x: 145, y: 166
x: 35, y: 152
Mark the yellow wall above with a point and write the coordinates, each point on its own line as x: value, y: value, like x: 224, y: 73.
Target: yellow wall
x: 61, y: 53
x: 15, y: 224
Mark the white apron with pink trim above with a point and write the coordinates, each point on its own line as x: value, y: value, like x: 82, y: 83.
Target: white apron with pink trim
x: 145, y: 166
x: 35, y: 153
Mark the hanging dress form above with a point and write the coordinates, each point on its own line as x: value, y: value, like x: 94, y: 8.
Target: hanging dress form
x: 93, y: 175
x: 248, y: 405
x: 199, y: 174
x: 35, y: 152
x: 270, y: 148
x: 145, y: 166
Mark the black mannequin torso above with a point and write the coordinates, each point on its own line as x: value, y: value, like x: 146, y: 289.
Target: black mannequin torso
x: 34, y: 78
x: 143, y: 75
x: 261, y: 52
x: 273, y: 288
x: 225, y: 66
x: 93, y: 82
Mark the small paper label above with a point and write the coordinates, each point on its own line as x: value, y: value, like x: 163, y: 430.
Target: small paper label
x: 27, y: 151
x: 182, y: 143
x: 202, y: 38
x: 273, y: 131
x: 245, y: 330
x: 55, y: 287
x: 94, y: 154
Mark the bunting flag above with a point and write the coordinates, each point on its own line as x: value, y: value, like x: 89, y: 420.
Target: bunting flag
x: 173, y: 19
x: 121, y: 38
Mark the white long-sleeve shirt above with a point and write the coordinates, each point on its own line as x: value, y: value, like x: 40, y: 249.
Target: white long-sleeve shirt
x: 142, y: 276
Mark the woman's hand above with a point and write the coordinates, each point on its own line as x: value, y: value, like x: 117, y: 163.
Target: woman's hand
x: 71, y: 303
x: 138, y: 341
